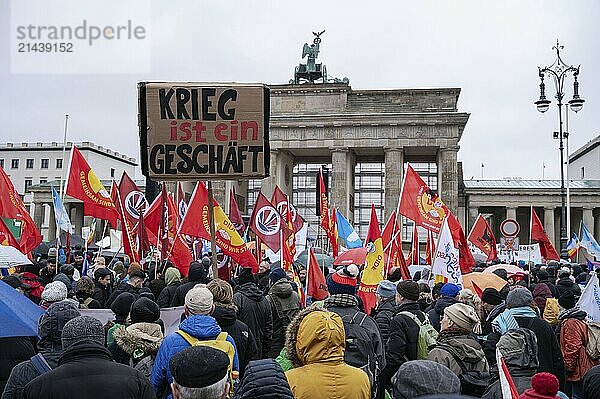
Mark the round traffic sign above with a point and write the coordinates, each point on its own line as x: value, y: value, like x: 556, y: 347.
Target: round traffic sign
x: 510, y: 227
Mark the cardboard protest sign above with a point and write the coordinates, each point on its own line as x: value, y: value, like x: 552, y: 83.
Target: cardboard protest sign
x: 199, y: 131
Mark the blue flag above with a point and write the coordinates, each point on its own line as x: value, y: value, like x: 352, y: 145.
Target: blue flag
x: 347, y: 233
x: 589, y: 242
x: 60, y: 214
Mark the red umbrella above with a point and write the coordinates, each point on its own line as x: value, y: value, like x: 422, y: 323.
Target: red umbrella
x: 357, y: 256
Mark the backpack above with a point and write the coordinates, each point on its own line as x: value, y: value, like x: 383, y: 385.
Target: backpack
x: 551, y: 311
x: 144, y: 365
x: 40, y: 364
x: 360, y: 351
x: 592, y: 346
x: 472, y: 382
x: 427, y: 335
x: 86, y: 303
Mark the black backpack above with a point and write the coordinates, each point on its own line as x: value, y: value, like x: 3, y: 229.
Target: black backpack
x: 360, y: 351
x: 472, y: 383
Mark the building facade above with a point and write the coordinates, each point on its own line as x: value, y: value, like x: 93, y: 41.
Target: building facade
x: 585, y: 162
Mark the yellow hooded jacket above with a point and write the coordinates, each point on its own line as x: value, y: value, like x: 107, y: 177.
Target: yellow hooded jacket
x: 320, y: 346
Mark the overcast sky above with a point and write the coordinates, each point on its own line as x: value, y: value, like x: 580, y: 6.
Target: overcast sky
x: 490, y: 50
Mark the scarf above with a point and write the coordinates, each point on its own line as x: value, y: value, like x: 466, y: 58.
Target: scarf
x: 574, y: 313
x: 504, y: 322
x: 523, y: 311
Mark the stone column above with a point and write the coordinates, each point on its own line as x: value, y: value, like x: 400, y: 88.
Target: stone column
x: 447, y: 164
x: 51, y: 224
x: 511, y: 212
x: 549, y: 224
x: 596, y: 225
x: 342, y: 180
x: 394, y: 173
x: 38, y: 215
x: 588, y: 219
x: 281, y: 170
x: 473, y: 213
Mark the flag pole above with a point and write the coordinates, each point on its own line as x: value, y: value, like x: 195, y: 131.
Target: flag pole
x: 307, y: 277
x: 579, y: 239
x: 102, y: 238
x: 64, y: 150
x: 211, y: 216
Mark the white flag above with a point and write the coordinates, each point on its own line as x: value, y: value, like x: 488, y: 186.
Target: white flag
x: 590, y: 299
x: 446, y: 266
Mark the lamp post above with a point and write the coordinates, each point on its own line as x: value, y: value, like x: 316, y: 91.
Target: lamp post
x: 558, y: 71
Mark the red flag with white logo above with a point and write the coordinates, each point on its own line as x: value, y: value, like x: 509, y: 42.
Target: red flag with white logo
x: 266, y: 223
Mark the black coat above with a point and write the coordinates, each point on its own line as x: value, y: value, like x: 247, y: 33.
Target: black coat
x: 196, y: 275
x: 383, y: 316
x: 86, y: 371
x: 552, y: 287
x: 24, y: 372
x: 123, y: 287
x: 14, y: 350
x: 241, y: 334
x: 402, y: 343
x: 263, y: 379
x: 101, y: 294
x: 566, y: 284
x: 166, y: 295
x: 437, y: 312
x: 255, y: 310
x: 281, y: 295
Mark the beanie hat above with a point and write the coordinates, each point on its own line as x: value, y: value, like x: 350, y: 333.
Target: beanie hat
x: 82, y: 329
x: 492, y: 296
x: 122, y: 305
x: 199, y: 300
x: 199, y: 366
x: 408, y: 289
x: 52, y: 253
x: 567, y: 300
x: 277, y: 274
x: 450, y: 290
x: 246, y: 276
x: 386, y: 289
x: 54, y: 292
x: 342, y: 282
x: 53, y: 321
x: 543, y: 386
x: 519, y: 297
x: 582, y: 278
x: 501, y: 273
x: 419, y: 378
x: 63, y: 279
x: 67, y: 270
x: 464, y: 316
x: 143, y: 310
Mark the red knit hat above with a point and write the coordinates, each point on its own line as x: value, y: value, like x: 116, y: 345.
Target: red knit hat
x: 543, y: 386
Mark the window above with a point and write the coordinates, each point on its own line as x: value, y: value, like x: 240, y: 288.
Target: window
x: 2, y: 163
x: 112, y: 172
x: 59, y: 163
x: 29, y: 164
x: 43, y: 180
x: 304, y: 196
x: 14, y: 164
x: 583, y: 172
x: 28, y: 183
x: 45, y: 163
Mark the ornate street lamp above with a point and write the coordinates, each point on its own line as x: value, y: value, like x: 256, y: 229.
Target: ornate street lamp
x: 558, y: 71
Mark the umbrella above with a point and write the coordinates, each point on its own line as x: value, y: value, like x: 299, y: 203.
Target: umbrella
x: 358, y: 256
x: 12, y: 257
x: 18, y: 315
x: 323, y: 259
x: 482, y: 281
x: 511, y: 270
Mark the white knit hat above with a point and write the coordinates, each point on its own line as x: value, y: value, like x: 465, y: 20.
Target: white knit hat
x: 199, y: 300
x: 54, y: 292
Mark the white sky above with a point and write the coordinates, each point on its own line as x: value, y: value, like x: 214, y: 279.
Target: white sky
x: 490, y: 50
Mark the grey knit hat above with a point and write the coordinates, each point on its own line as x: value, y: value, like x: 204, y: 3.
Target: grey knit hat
x: 82, y: 329
x: 199, y: 300
x: 418, y: 378
x: 54, y: 292
x: 519, y: 297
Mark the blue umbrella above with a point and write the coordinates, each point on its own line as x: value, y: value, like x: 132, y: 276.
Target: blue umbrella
x: 18, y: 315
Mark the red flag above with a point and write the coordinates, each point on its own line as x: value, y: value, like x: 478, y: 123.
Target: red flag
x: 129, y: 245
x: 373, y: 272
x: 430, y: 249
x: 420, y: 203
x: 12, y: 207
x: 167, y: 221
x: 482, y: 237
x: 325, y: 222
x: 466, y: 260
x: 197, y: 224
x: 235, y: 215
x: 181, y: 204
x: 133, y: 200
x: 333, y: 236
x: 389, y: 230
x: 414, y: 257
x: 152, y: 219
x: 224, y: 267
x: 266, y: 223
x: 539, y: 234
x: 287, y: 259
x: 84, y: 185
x: 6, y: 236
x: 316, y: 287
x: 281, y: 202
x: 143, y: 240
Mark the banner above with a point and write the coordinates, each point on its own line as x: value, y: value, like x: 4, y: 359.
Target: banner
x: 590, y: 299
x: 6, y: 236
x: 589, y: 242
x: 446, y: 266
x: 192, y: 131
x: 323, y: 206
x: 235, y: 215
x: 525, y: 253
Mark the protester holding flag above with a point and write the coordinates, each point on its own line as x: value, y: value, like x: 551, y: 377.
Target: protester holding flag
x: 285, y: 304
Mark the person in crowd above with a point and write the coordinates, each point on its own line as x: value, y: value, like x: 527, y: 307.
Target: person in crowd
x: 86, y: 370
x: 34, y: 287
x: 16, y: 282
x: 543, y: 386
x: 573, y: 339
x: 200, y: 372
x: 541, y: 292
x: 224, y: 313
x: 102, y: 285
x: 544, y: 277
x: 285, y: 304
x: 448, y: 294
x: 262, y: 277
x: 404, y: 330
x: 49, y: 348
x: 315, y: 346
x: 133, y: 285
x: 84, y: 289
x: 263, y: 379
x: 435, y: 295
x: 156, y: 286
x: 120, y: 307
x: 344, y: 281
x: 137, y: 344
x: 386, y: 307
x: 65, y: 280
x: 48, y: 272
x: 467, y: 297
x: 419, y: 378
x: 566, y: 283
x: 198, y: 326
x: 456, y: 344
x: 520, y: 352
x: 119, y: 269
x: 591, y: 383
x: 492, y: 305
x: 425, y: 298
x: 254, y: 310
x: 197, y: 274
x: 69, y: 271
x: 172, y: 281
x: 53, y: 292
x: 78, y: 261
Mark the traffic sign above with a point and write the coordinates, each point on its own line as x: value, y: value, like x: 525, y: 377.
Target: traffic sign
x: 510, y: 228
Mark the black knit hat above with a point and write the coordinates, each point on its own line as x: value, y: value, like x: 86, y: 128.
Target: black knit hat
x: 82, y: 329
x: 144, y: 310
x: 246, y: 276
x: 491, y: 296
x: 567, y: 300
x: 122, y: 304
x: 408, y: 289
x: 199, y: 366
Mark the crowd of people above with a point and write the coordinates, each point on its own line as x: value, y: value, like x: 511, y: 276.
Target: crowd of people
x: 254, y: 337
